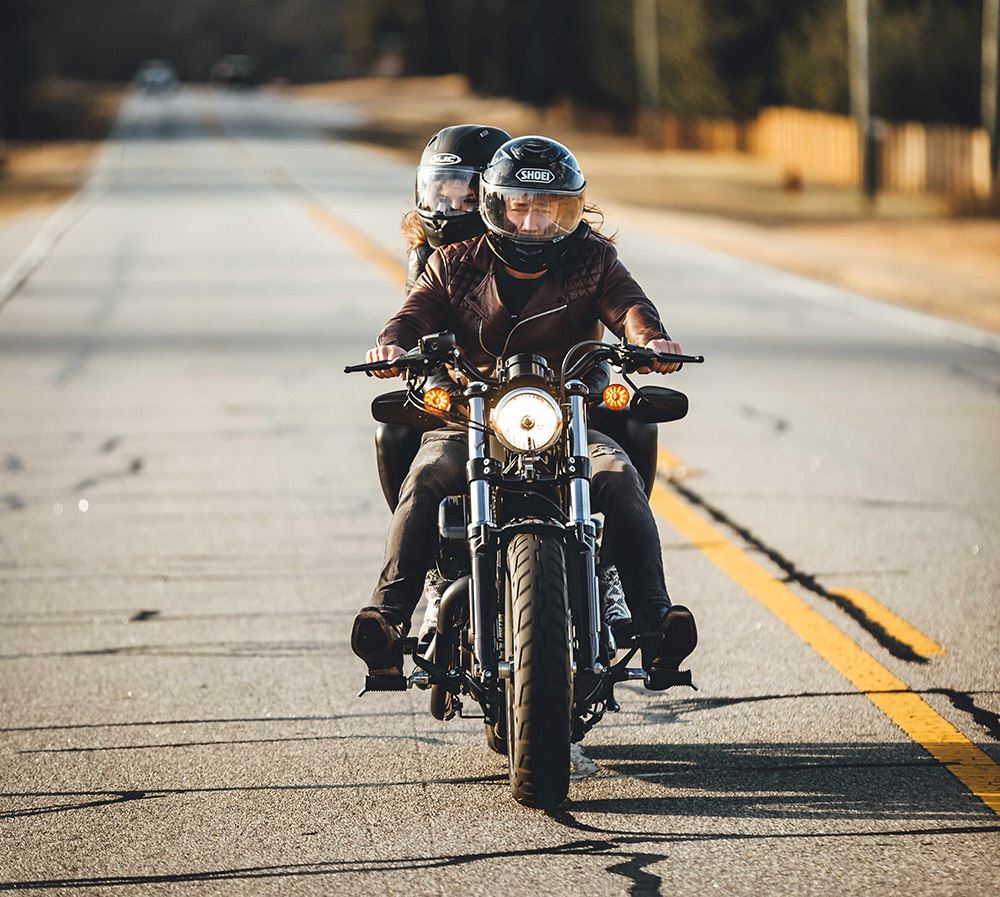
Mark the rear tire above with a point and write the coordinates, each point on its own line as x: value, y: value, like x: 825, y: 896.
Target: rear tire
x: 539, y: 696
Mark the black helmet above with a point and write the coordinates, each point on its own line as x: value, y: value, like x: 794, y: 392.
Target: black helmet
x: 447, y: 188
x: 531, y: 200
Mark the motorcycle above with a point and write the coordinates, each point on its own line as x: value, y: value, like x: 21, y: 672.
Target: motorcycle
x: 521, y: 630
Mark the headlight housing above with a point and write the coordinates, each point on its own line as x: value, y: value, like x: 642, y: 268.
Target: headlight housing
x: 527, y: 419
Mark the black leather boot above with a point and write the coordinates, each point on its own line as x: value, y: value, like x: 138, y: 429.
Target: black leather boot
x: 377, y: 639
x: 678, y: 638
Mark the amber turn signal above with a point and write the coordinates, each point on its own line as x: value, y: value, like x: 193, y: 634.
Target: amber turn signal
x: 616, y: 396
x: 437, y: 400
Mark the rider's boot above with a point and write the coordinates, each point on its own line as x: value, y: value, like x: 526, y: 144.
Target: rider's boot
x: 377, y: 638
x: 678, y: 638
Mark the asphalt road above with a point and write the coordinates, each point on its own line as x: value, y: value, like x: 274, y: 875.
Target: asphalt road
x: 189, y: 518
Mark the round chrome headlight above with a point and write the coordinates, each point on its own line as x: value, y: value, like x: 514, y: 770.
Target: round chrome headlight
x: 527, y: 420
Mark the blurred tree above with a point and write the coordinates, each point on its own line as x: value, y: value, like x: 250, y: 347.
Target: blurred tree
x: 744, y: 43
x: 17, y: 66
x: 690, y: 82
x: 927, y: 60
x: 812, y: 60
x: 601, y: 71
x: 718, y: 57
x: 107, y: 39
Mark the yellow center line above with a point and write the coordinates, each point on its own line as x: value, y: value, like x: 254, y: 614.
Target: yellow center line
x: 361, y: 243
x: 971, y: 766
x: 356, y: 239
x: 893, y: 624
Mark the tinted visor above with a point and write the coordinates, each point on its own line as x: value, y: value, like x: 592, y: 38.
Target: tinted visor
x: 447, y: 190
x: 531, y: 215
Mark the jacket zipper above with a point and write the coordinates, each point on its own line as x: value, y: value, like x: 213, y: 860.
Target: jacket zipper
x: 541, y: 314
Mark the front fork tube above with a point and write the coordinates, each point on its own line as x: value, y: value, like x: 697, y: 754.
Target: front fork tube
x: 589, y: 633
x: 483, y: 542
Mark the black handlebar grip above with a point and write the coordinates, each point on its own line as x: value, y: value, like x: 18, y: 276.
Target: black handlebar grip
x: 369, y: 367
x: 683, y: 359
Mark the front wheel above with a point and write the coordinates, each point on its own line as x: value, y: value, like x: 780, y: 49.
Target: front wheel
x: 539, y: 694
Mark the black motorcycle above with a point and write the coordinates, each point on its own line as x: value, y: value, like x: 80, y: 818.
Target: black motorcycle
x: 521, y: 630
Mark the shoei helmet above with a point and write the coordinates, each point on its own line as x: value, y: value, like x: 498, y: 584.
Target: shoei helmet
x: 447, y: 188
x: 531, y: 199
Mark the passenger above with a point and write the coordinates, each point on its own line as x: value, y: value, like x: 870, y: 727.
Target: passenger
x: 446, y: 200
x: 446, y: 194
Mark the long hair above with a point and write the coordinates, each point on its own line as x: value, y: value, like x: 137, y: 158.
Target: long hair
x: 594, y: 216
x: 412, y: 230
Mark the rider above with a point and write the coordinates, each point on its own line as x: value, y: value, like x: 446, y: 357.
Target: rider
x: 539, y: 262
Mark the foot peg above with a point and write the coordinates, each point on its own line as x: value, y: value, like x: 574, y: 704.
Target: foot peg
x: 659, y: 680
x: 383, y: 682
x: 393, y: 681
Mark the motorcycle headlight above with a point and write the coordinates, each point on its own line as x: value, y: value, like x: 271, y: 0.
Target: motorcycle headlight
x: 527, y: 420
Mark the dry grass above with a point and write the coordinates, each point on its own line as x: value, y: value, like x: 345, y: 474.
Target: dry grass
x: 39, y: 175
x: 74, y: 117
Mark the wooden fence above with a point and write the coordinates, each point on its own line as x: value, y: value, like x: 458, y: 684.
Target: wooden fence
x: 911, y: 157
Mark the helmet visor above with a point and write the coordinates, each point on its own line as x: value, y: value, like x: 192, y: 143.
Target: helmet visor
x: 448, y: 191
x: 531, y: 215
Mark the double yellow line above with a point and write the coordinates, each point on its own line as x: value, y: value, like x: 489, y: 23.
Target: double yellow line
x: 971, y: 766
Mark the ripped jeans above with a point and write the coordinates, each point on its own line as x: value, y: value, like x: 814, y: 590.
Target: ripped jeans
x: 438, y: 470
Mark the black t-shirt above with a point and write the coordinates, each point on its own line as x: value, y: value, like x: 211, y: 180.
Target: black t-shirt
x: 515, y: 292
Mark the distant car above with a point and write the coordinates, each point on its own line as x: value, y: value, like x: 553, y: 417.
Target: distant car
x: 233, y: 70
x: 156, y: 76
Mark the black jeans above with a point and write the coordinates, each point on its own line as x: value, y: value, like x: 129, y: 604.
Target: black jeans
x: 438, y: 470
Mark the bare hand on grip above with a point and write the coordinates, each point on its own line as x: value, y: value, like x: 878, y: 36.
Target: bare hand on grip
x: 663, y: 367
x: 385, y: 353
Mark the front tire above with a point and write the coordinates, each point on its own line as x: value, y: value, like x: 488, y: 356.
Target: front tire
x: 539, y: 696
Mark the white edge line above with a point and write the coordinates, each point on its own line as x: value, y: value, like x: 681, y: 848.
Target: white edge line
x: 58, y: 224
x: 55, y: 227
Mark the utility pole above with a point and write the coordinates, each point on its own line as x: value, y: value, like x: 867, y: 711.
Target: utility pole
x: 991, y: 49
x: 645, y: 22
x: 859, y: 22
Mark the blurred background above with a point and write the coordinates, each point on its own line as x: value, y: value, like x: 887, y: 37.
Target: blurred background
x: 860, y: 124
x: 728, y: 58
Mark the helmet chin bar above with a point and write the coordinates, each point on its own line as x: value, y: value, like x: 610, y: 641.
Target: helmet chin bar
x: 440, y: 231
x: 531, y: 257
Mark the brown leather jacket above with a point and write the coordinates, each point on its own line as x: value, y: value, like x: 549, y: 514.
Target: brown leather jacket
x: 458, y: 292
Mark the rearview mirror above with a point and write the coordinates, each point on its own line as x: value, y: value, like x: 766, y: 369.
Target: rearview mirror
x: 658, y: 404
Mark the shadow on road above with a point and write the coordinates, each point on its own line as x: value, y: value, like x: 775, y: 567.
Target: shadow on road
x: 813, y: 789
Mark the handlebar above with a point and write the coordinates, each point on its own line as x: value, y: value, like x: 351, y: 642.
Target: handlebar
x: 420, y: 361
x: 624, y: 355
